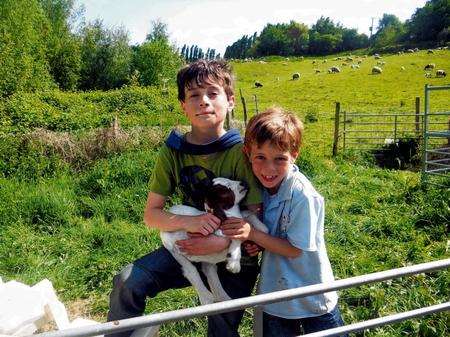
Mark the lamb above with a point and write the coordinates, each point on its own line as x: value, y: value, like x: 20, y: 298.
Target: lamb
x: 429, y: 66
x: 295, y: 76
x: 441, y: 73
x: 258, y: 84
x: 376, y: 70
x: 223, y: 200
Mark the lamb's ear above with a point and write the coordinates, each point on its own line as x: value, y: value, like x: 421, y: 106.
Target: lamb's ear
x: 219, y: 212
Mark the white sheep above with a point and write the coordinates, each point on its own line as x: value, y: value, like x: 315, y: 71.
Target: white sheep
x: 334, y: 70
x: 441, y: 73
x: 295, y: 76
x: 376, y: 70
x: 429, y: 66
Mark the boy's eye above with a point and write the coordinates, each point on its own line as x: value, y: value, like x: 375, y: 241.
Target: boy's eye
x: 259, y: 157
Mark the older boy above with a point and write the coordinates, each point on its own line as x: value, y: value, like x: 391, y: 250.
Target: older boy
x: 295, y: 254
x: 190, y: 162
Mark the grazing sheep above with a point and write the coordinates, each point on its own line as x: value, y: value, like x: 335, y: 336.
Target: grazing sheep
x: 381, y: 63
x: 402, y: 68
x: 325, y: 61
x: 428, y: 75
x: 430, y: 51
x: 334, y: 70
x: 314, y: 62
x: 344, y: 64
x: 258, y: 84
x: 295, y: 76
x: 429, y: 66
x: 317, y: 71
x: 416, y: 49
x: 410, y: 51
x: 349, y: 59
x: 354, y: 66
x: 359, y: 61
x: 441, y: 73
x: 376, y: 70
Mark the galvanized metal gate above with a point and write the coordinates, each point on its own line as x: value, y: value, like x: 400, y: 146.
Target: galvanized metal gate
x: 436, y: 144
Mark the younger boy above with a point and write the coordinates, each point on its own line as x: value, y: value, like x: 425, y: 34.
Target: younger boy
x: 295, y: 253
x: 189, y: 162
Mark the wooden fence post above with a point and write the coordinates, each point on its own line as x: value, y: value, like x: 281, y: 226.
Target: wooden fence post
x: 256, y: 104
x: 417, y: 116
x: 244, y: 106
x: 336, y: 128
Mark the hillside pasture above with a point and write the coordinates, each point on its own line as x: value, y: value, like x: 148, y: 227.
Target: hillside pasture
x: 77, y: 220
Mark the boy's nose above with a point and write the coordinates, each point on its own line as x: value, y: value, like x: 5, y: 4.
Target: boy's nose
x: 204, y: 101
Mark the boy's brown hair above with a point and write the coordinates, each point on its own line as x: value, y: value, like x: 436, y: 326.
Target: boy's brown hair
x: 216, y: 71
x: 280, y: 128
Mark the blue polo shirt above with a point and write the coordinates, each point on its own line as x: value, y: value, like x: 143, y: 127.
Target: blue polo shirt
x: 296, y: 213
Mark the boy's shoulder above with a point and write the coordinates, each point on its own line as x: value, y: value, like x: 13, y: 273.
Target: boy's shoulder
x: 301, y: 186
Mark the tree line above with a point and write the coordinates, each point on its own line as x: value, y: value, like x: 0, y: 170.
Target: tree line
x: 428, y: 25
x: 46, y: 44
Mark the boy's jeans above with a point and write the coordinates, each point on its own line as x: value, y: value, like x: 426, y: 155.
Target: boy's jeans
x: 159, y: 271
x: 281, y: 327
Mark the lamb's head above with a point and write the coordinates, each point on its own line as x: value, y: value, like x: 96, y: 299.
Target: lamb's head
x: 223, y: 195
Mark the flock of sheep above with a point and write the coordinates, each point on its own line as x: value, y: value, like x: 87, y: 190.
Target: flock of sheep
x: 355, y: 64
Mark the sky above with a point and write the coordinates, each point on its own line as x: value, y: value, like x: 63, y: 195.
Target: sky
x: 218, y: 23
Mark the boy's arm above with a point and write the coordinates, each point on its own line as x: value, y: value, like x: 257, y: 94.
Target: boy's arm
x: 156, y: 217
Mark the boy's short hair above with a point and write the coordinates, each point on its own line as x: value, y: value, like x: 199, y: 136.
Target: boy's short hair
x: 280, y: 128
x: 200, y: 71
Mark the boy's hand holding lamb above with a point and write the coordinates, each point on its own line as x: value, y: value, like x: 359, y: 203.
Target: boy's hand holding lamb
x: 204, y: 224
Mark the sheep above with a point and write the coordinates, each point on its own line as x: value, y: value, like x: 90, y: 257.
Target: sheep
x: 334, y: 70
x: 295, y: 76
x: 376, y: 70
x: 428, y: 75
x: 324, y: 61
x: 223, y: 200
x: 359, y: 61
x: 381, y: 63
x: 317, y: 71
x: 354, y: 66
x: 429, y: 66
x: 441, y: 73
x: 430, y: 51
x: 402, y: 68
x: 410, y: 51
x: 258, y: 84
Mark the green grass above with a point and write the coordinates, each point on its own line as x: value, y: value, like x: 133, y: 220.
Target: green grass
x: 76, y: 219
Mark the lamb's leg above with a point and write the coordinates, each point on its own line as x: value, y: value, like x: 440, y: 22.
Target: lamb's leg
x: 210, y: 270
x: 253, y: 220
x: 191, y: 273
x: 234, y: 256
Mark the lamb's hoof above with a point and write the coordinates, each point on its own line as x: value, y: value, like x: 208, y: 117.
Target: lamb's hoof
x: 234, y: 266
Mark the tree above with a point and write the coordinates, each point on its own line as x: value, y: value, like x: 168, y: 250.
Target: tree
x: 23, y: 33
x: 298, y: 38
x: 390, y: 31
x: 106, y: 57
x: 156, y: 60
x: 431, y: 22
x: 63, y: 47
x: 273, y: 40
x: 158, y: 31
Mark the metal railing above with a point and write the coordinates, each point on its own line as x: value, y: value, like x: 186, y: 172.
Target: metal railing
x: 436, y: 160
x: 256, y: 301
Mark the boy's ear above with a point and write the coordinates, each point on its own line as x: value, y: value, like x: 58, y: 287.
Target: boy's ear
x: 230, y: 102
x: 294, y: 156
x: 182, y: 104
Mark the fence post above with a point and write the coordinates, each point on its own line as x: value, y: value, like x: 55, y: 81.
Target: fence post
x: 244, y: 107
x: 417, y: 116
x: 336, y: 128
x: 227, y: 120
x: 257, y: 321
x: 395, y: 128
x: 256, y: 103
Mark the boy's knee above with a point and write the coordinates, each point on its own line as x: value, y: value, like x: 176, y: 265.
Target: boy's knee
x: 132, y: 285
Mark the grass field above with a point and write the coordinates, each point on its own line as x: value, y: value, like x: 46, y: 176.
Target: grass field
x: 74, y: 217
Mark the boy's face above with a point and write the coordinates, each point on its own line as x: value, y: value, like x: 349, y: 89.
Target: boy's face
x: 270, y: 164
x: 207, y: 105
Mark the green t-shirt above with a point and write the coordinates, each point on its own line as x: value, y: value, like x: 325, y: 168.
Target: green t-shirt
x: 174, y: 169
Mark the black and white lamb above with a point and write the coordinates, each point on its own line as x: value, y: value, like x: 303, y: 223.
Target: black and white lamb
x: 222, y: 199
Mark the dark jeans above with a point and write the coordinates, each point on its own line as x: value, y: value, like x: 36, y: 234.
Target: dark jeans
x: 281, y: 327
x: 159, y: 271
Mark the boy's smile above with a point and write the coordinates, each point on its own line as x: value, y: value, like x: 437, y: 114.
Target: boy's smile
x: 270, y: 165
